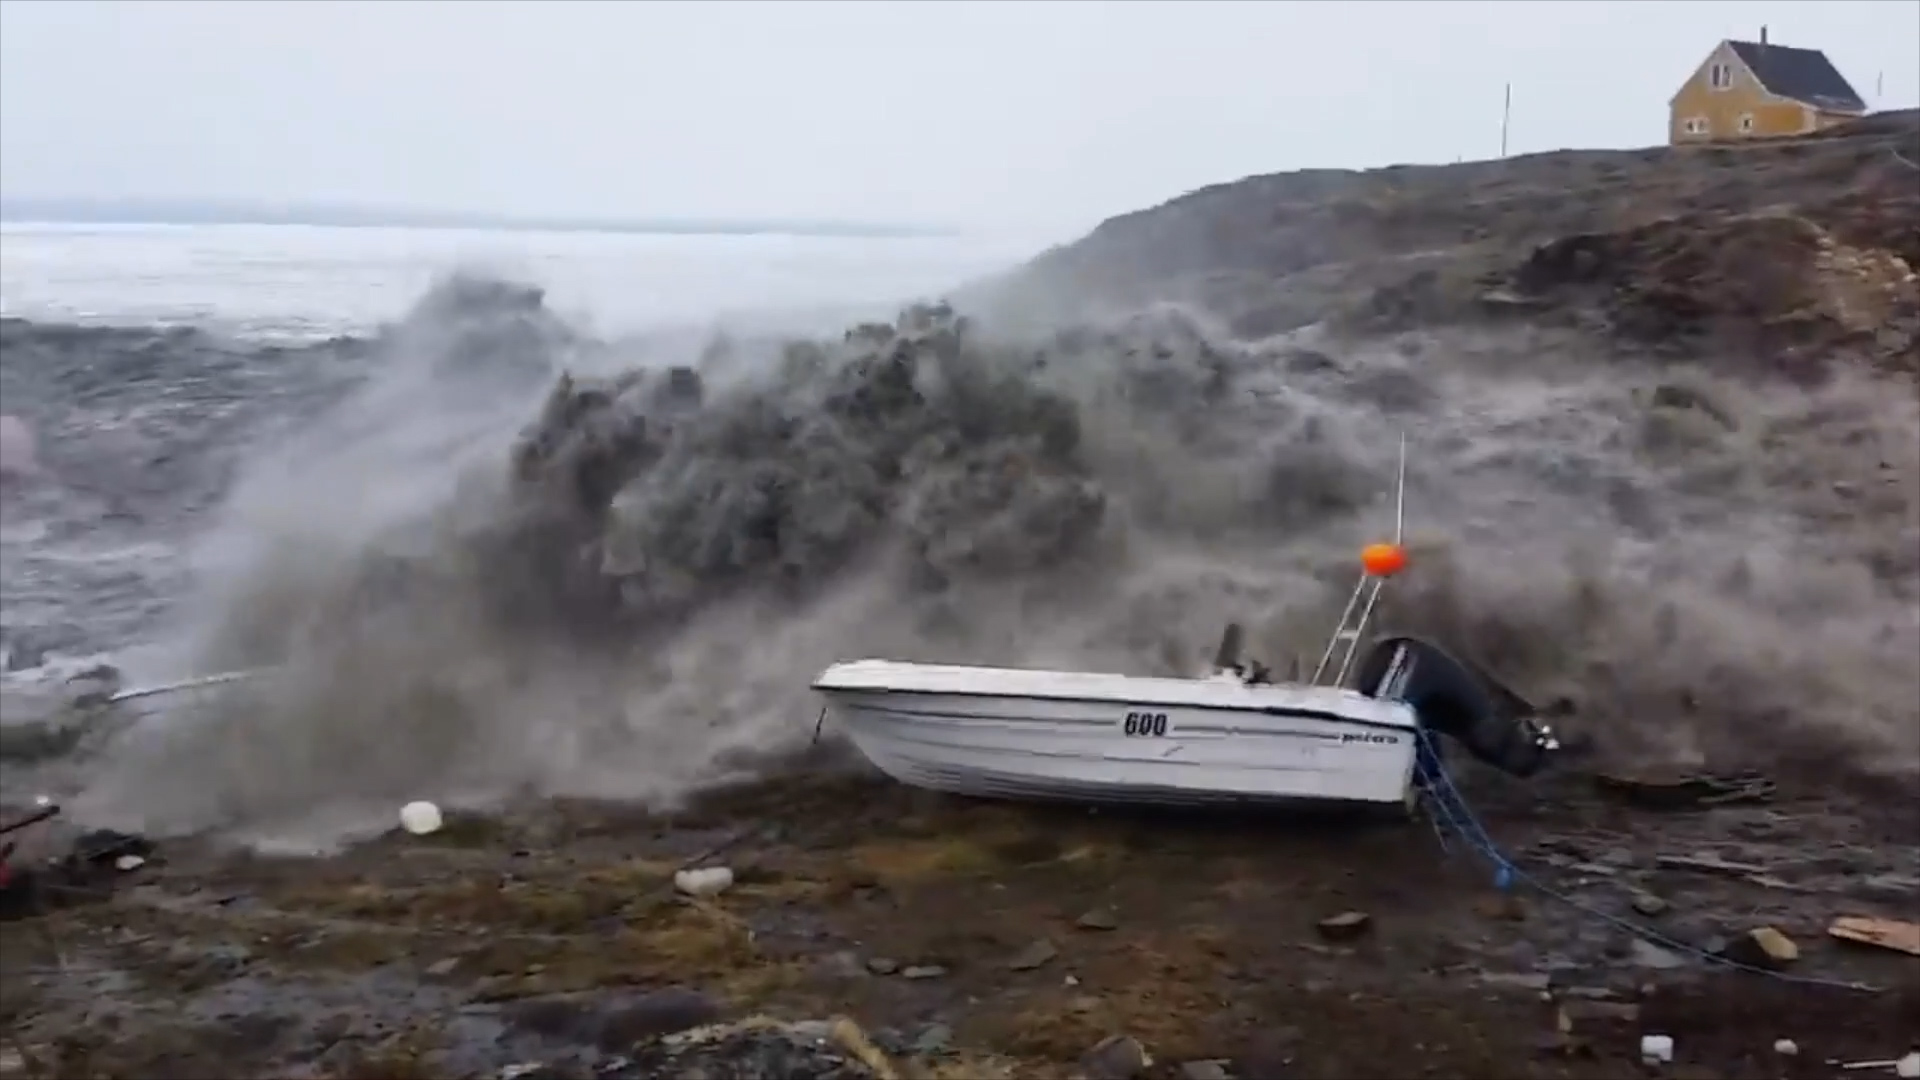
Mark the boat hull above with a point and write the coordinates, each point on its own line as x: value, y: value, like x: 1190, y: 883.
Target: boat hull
x: 1134, y: 741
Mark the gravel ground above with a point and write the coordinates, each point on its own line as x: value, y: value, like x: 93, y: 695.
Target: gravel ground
x: 873, y: 931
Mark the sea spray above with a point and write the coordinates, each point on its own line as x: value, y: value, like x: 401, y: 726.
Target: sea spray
x: 475, y: 587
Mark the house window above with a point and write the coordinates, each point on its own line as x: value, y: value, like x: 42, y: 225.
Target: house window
x: 1695, y: 125
x: 1746, y: 122
x: 1720, y: 76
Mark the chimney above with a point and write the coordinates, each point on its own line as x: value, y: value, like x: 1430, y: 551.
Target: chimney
x: 1763, y: 35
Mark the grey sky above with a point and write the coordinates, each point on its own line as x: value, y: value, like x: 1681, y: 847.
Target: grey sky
x: 1019, y: 113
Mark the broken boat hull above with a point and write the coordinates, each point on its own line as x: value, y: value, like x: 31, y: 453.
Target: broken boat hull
x: 1025, y: 734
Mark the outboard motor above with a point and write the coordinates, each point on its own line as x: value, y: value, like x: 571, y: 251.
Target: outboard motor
x: 1460, y: 701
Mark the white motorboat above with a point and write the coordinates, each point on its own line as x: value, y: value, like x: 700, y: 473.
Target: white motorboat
x: 1022, y: 733
x: 1233, y: 736
x: 1063, y: 734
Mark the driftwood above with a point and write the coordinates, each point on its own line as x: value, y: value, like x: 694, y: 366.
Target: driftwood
x: 1685, y: 791
x: 1881, y: 933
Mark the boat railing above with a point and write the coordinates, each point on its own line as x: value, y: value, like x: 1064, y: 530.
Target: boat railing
x: 1378, y: 562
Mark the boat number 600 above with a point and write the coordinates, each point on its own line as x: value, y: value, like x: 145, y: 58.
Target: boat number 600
x: 1145, y: 723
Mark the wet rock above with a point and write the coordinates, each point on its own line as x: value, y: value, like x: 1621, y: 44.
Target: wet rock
x: 932, y: 1040
x: 611, y: 1024
x: 1680, y: 396
x: 1888, y: 886
x: 1762, y: 947
x: 813, y: 1031
x: 1708, y: 864
x: 1116, y: 1057
x: 801, y: 1051
x: 1535, y: 981
x: 224, y: 960
x: 102, y: 673
x: 342, y: 1058
x: 923, y: 971
x: 1566, y: 847
x: 1035, y: 955
x: 1210, y: 1069
x: 1508, y: 300
x: 1270, y: 1052
x: 1840, y: 859
x: 1647, y: 954
x: 1582, y: 1011
x: 891, y: 1040
x: 880, y: 965
x: 94, y: 687
x: 839, y: 965
x: 1649, y: 905
x: 1504, y: 906
x: 1309, y: 361
x: 1098, y: 919
x: 555, y: 1020
x: 327, y: 1032
x: 105, y: 847
x: 1563, y: 1044
x: 1346, y: 926
x: 1590, y: 993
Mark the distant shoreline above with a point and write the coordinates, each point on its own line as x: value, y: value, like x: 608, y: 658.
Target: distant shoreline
x: 209, y: 212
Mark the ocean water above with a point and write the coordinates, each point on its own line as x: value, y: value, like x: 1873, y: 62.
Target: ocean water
x: 294, y: 281
x: 139, y: 432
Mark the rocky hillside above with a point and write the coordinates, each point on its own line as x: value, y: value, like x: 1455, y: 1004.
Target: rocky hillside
x: 1790, y: 250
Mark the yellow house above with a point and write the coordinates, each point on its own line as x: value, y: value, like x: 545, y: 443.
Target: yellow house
x: 1755, y: 90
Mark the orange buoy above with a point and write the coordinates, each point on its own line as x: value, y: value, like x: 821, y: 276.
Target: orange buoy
x: 1383, y: 560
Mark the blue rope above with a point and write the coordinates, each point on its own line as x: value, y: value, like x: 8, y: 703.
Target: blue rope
x: 1457, y: 817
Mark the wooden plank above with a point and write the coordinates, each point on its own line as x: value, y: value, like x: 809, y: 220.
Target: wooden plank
x: 1882, y: 933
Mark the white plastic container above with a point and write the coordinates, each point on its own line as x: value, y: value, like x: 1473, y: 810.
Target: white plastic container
x: 710, y: 881
x: 421, y: 818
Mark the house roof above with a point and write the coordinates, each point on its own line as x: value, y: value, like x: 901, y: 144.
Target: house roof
x: 1805, y: 75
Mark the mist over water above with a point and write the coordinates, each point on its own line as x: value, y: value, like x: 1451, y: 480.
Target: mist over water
x: 521, y: 561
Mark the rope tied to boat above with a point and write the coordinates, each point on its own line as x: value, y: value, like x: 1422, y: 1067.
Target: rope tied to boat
x: 1451, y: 813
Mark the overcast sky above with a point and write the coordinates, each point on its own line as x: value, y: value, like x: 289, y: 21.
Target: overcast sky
x: 1019, y: 114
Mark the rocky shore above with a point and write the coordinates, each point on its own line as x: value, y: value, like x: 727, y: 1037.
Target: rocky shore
x: 877, y: 931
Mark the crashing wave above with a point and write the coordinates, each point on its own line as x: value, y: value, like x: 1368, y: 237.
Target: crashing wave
x: 627, y: 595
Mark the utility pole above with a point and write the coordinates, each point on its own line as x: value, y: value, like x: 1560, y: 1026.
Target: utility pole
x: 1506, y: 117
